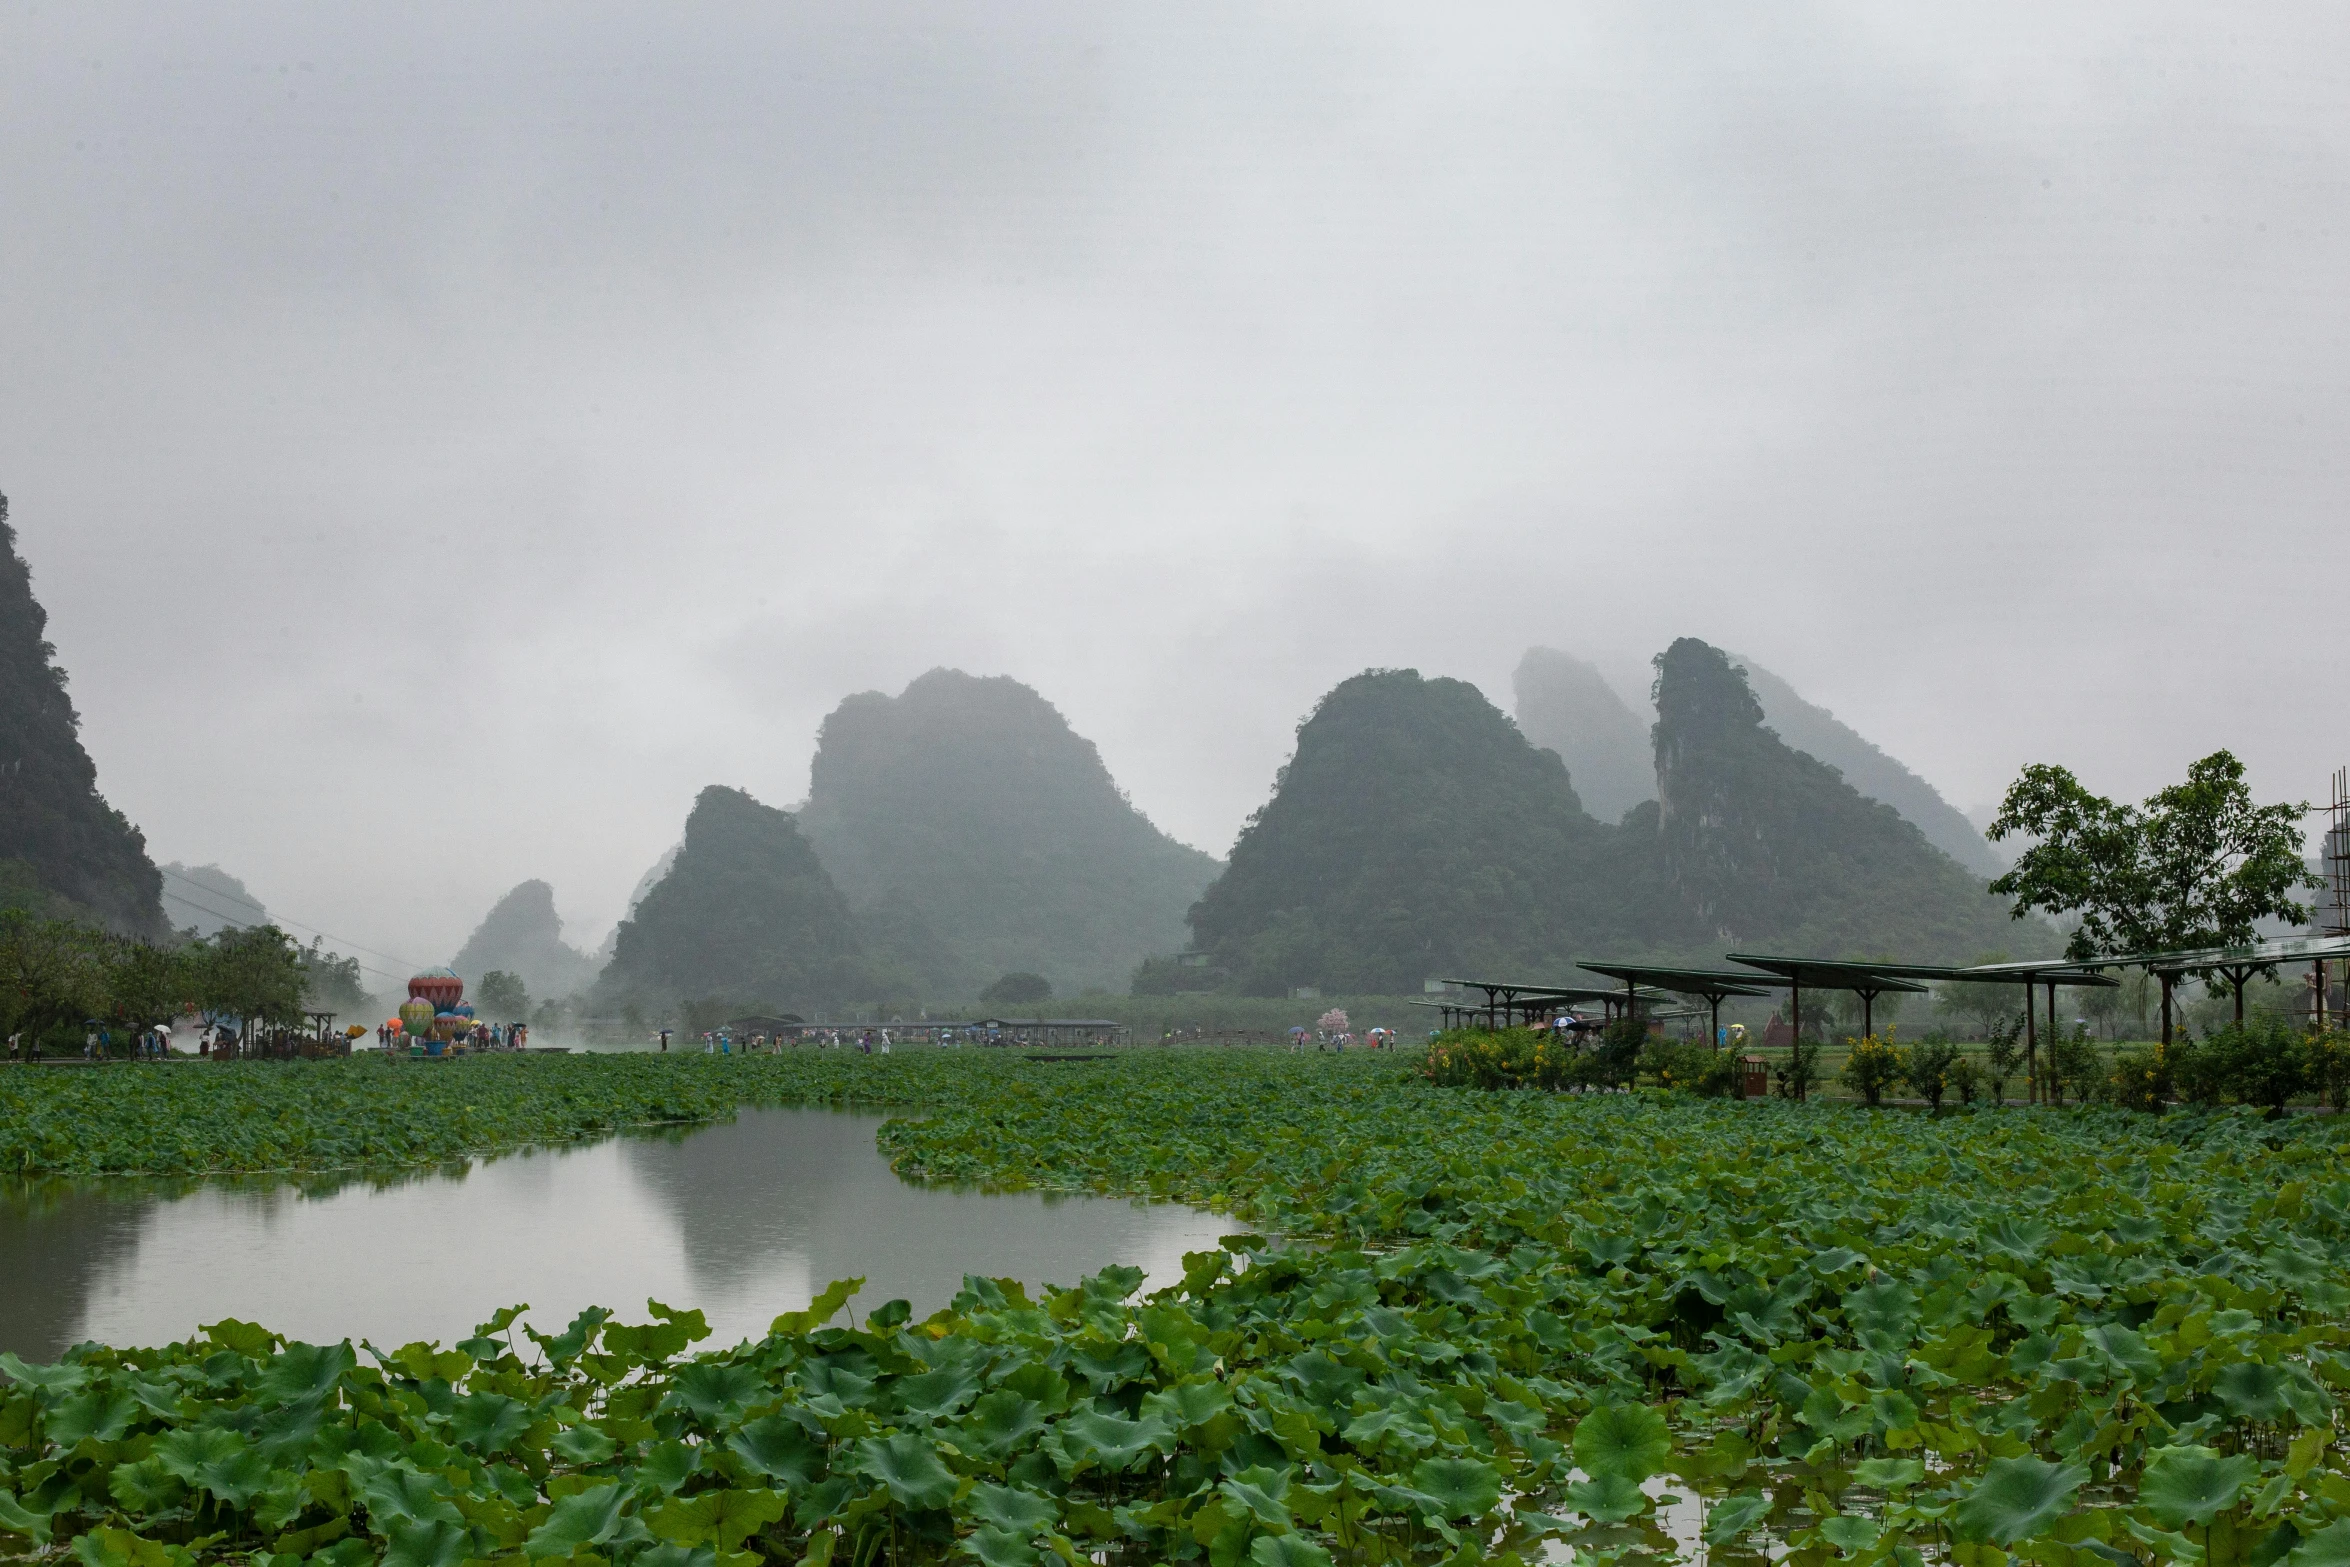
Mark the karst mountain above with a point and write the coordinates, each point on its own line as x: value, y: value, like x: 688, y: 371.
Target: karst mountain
x: 977, y: 834
x: 63, y: 849
x: 522, y: 935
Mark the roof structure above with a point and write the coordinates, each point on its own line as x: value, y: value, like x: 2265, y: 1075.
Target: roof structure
x: 1711, y: 984
x: 1865, y: 980
x: 2255, y: 954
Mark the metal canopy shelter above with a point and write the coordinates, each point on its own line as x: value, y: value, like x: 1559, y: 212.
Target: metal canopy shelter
x: 2050, y: 972
x: 2238, y: 964
x: 1865, y: 980
x: 1711, y: 984
x: 1505, y: 1001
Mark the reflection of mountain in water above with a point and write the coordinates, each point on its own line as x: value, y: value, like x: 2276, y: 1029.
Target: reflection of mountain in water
x: 790, y: 1200
x: 58, y: 1239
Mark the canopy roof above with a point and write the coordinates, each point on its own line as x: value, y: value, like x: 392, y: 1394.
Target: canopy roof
x: 1710, y: 983
x: 1868, y: 979
x: 2256, y: 954
x: 2030, y: 971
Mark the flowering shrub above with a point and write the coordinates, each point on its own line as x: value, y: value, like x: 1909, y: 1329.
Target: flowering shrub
x: 1503, y: 1058
x: 1873, y: 1065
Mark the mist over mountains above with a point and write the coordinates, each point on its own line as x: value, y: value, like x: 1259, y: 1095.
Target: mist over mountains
x: 1566, y: 705
x: 977, y: 834
x: 1418, y: 833
x: 522, y: 935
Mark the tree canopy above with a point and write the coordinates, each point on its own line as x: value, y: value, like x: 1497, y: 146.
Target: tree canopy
x: 2197, y: 865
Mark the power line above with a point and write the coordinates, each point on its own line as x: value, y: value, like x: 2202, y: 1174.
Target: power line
x: 242, y: 924
x: 268, y: 918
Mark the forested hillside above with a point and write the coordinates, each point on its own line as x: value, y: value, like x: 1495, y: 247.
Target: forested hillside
x: 1415, y: 833
x: 745, y: 914
x: 67, y: 841
x: 1766, y: 845
x: 977, y: 834
x: 1806, y: 726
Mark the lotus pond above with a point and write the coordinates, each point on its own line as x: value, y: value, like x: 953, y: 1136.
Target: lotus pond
x: 1524, y: 1318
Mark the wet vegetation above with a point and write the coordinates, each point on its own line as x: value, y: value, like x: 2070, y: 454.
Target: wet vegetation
x: 1635, y: 1323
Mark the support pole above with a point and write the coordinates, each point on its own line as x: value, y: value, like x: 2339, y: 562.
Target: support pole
x: 2031, y: 1044
x: 1715, y: 1038
x: 2239, y: 976
x: 1868, y: 1014
x: 2166, y: 984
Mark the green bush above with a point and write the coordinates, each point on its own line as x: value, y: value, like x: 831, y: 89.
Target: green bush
x: 1873, y: 1066
x: 2264, y: 1061
x: 1504, y: 1058
x: 2074, y: 1063
x: 1928, y: 1066
x: 1691, y: 1065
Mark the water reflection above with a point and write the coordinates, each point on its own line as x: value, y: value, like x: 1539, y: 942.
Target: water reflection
x: 743, y: 1220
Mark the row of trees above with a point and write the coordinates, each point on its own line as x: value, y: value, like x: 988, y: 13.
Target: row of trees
x: 59, y: 977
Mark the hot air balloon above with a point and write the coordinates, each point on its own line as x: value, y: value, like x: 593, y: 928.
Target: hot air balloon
x: 440, y: 986
x: 416, y: 1018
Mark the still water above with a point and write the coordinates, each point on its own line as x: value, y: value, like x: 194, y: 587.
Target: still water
x: 743, y: 1220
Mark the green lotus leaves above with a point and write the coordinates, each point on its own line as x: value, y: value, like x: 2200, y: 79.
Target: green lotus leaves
x: 488, y: 1422
x: 587, y: 1446
x: 216, y: 1461
x: 1849, y: 1534
x: 1733, y: 1516
x: 775, y: 1446
x: 2017, y: 1498
x: 434, y: 1544
x: 1015, y: 1511
x: 90, y: 1417
x: 1461, y: 1487
x: 722, y: 1518
x: 2327, y: 1547
x: 1607, y: 1498
x: 1630, y: 1441
x: 908, y: 1468
x: 1286, y: 1550
x: 1788, y: 1306
x: 2184, y: 1485
x: 584, y: 1518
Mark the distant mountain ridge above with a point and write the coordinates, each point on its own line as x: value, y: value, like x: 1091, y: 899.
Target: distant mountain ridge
x: 1417, y: 834
x: 1566, y: 705
x: 54, y: 823
x: 1809, y: 727
x: 522, y: 935
x: 207, y: 900
x: 977, y: 835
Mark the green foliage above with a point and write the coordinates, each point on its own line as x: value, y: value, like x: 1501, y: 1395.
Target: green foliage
x: 1799, y: 1074
x: 331, y: 983
x: 1018, y: 990
x: 2003, y: 1054
x: 1928, y: 1068
x: 254, y: 975
x: 2198, y: 865
x: 2020, y: 1332
x: 501, y: 997
x: 1773, y: 844
x: 1872, y: 1066
x: 72, y: 845
x: 1505, y: 1058
x: 2074, y: 1064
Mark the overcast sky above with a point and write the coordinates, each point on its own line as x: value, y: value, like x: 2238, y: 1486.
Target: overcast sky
x: 446, y: 437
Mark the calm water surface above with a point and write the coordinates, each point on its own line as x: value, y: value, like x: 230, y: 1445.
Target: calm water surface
x: 744, y: 1220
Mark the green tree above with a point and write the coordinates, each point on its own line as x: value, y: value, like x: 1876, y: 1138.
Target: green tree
x: 53, y: 975
x: 1018, y: 990
x: 1928, y: 1068
x: 2003, y: 1057
x: 148, y: 984
x: 502, y: 997
x: 331, y: 983
x: 248, y: 976
x: 2196, y: 866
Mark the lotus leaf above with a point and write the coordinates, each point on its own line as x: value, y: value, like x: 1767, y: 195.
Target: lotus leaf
x: 1849, y: 1534
x: 1001, y: 1548
x: 1024, y: 1513
x: 1607, y: 1498
x: 1286, y: 1550
x: 723, y: 1518
x: 1461, y: 1487
x: 1628, y: 1440
x: 1733, y: 1516
x: 488, y: 1423
x: 2016, y: 1499
x: 2185, y: 1485
x: 776, y: 1446
x: 436, y: 1544
x: 585, y: 1518
x: 908, y: 1468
